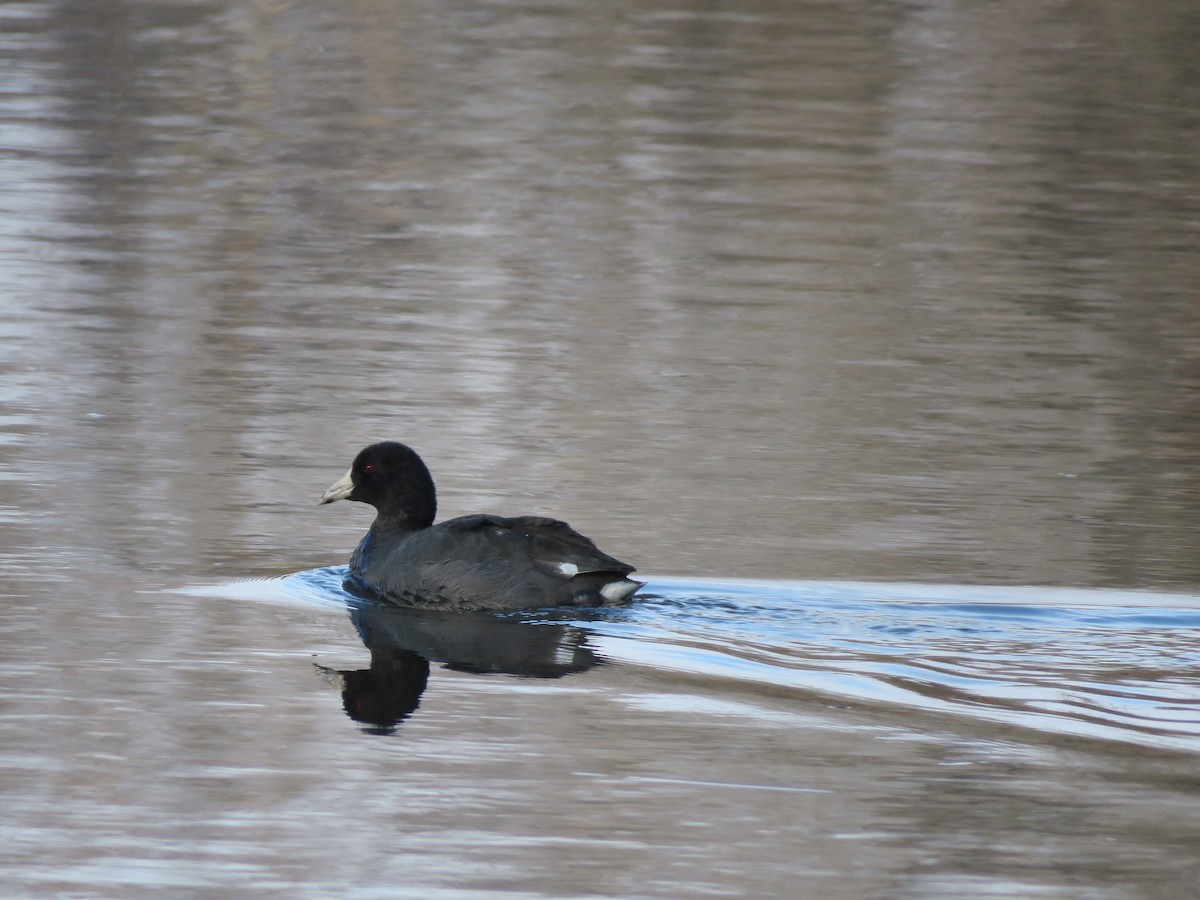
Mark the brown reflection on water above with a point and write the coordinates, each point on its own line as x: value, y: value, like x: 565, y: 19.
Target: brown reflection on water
x: 899, y: 291
x: 904, y: 294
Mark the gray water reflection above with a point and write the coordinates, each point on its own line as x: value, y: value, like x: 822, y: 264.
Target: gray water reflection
x: 1109, y: 665
x: 902, y: 291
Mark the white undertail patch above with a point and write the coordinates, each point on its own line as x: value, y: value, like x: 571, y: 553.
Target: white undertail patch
x: 619, y: 590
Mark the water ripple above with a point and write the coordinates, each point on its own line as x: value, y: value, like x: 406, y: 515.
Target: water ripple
x: 1114, y: 665
x: 1109, y: 665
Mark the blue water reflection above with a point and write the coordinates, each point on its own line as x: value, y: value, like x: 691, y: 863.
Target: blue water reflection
x: 1110, y: 665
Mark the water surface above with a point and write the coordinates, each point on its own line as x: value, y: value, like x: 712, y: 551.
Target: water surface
x: 873, y: 323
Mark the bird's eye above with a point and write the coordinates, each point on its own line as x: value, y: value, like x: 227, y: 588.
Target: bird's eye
x: 368, y: 469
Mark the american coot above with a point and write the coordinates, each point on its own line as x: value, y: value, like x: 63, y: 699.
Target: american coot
x: 472, y: 562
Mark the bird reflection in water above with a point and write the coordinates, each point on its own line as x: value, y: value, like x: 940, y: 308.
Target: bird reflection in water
x: 403, y: 642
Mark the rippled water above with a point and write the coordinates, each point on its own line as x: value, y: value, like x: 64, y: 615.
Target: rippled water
x: 1111, y: 665
x: 714, y: 737
x: 876, y: 322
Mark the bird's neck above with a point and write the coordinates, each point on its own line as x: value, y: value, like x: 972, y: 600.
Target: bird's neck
x: 399, y: 523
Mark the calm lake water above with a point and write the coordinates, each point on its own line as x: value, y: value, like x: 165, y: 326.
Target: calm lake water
x: 869, y: 331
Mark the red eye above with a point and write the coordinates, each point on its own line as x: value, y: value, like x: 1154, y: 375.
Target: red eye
x: 368, y: 469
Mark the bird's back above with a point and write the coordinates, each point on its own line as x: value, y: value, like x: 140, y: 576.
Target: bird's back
x: 491, y: 562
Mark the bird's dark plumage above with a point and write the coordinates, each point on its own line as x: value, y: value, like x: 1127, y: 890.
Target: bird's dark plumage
x: 472, y: 562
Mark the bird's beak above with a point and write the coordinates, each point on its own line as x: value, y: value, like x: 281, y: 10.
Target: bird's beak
x: 339, y: 490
